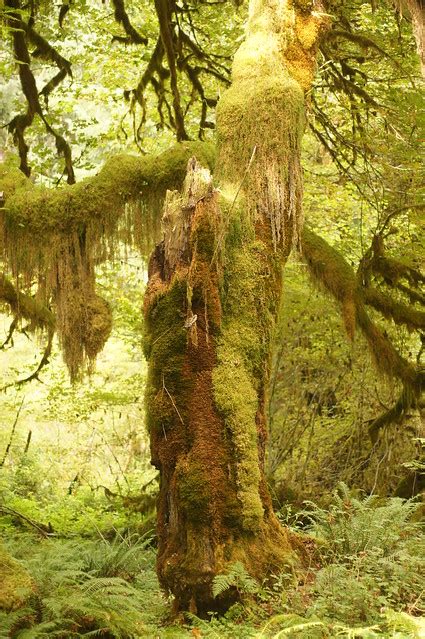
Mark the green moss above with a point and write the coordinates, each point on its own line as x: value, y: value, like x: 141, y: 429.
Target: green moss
x: 98, y: 325
x: 61, y: 233
x: 12, y: 179
x: 165, y: 342
x: 330, y: 269
x: 400, y: 313
x: 242, y: 353
x: 266, y: 113
x: 193, y: 491
x: 39, y: 210
x: 16, y: 585
x: 334, y: 273
x: 260, y: 121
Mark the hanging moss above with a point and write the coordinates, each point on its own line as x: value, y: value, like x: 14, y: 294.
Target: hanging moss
x: 260, y: 123
x: 392, y: 270
x: 42, y: 210
x: 57, y: 236
x: 260, y: 119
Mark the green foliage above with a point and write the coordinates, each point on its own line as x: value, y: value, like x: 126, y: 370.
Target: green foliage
x: 324, y: 391
x: 83, y: 589
x: 373, y: 556
x: 365, y: 580
x: 369, y: 572
x: 236, y: 577
x: 353, y: 525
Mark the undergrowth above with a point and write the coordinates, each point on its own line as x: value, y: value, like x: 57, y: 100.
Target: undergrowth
x: 366, y: 579
x: 85, y: 588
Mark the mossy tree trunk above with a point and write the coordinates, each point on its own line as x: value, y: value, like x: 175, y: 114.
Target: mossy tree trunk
x: 211, y: 303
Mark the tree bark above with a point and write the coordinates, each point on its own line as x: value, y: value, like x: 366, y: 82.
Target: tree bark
x: 210, y: 308
x: 213, y: 508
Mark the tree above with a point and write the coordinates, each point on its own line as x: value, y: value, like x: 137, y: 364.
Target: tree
x: 214, y: 280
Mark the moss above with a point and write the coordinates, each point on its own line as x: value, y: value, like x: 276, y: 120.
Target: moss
x: 58, y: 235
x: 305, y: 6
x: 12, y: 179
x: 392, y: 270
x: 249, y: 306
x: 16, y: 585
x: 193, y: 491
x: 300, y: 66
x: 237, y: 400
x: 40, y: 210
x: 26, y: 306
x: 260, y: 121
x: 400, y: 313
x: 334, y: 273
x: 165, y: 342
x: 98, y: 325
x: 307, y: 28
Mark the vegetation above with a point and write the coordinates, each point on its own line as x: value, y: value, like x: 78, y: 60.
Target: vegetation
x: 211, y: 362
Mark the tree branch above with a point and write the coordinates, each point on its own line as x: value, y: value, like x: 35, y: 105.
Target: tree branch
x: 334, y: 273
x: 121, y: 16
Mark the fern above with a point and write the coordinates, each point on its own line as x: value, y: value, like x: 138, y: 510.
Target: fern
x: 126, y: 556
x: 75, y: 594
x: 352, y: 526
x: 238, y: 578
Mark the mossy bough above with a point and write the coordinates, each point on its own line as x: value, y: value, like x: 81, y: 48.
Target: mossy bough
x: 333, y: 272
x: 57, y: 236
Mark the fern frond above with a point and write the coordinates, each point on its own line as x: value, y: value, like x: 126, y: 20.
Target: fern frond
x: 237, y: 577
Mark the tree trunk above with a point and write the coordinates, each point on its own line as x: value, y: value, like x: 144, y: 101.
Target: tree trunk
x: 210, y: 307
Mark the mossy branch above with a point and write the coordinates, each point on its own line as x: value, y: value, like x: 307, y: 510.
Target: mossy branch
x: 100, y: 198
x: 332, y: 271
x: 121, y: 16
x: 398, y: 312
x: 25, y: 306
x: 60, y: 234
x: 392, y: 270
x: 408, y: 399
